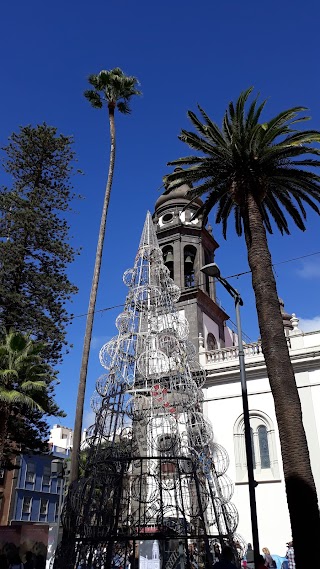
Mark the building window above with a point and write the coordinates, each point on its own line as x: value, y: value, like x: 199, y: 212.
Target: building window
x: 43, y: 514
x: 46, y: 478
x: 167, y: 253
x: 263, y: 446
x: 265, y: 461
x: 30, y: 474
x: 26, y: 508
x: 189, y: 266
x: 167, y: 217
x: 211, y: 342
x: 2, y: 474
x: 56, y: 511
x: 59, y: 482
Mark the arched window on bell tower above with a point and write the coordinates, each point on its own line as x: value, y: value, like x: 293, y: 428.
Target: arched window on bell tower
x: 167, y: 253
x: 189, y: 266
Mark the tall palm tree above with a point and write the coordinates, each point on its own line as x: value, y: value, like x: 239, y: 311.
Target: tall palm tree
x: 114, y: 90
x: 22, y: 375
x: 259, y: 172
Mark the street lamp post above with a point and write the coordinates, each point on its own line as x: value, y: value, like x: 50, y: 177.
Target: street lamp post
x: 58, y: 471
x: 212, y: 270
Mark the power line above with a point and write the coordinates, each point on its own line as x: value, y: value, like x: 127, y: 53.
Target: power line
x: 96, y: 311
x: 201, y: 284
x: 274, y: 264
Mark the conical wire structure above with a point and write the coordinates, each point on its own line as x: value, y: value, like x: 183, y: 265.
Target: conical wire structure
x: 151, y: 469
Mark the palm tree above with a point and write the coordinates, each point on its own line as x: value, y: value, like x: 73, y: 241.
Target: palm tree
x: 259, y: 172
x: 23, y: 378
x: 114, y: 90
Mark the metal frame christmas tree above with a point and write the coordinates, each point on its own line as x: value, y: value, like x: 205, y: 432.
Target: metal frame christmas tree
x: 151, y: 468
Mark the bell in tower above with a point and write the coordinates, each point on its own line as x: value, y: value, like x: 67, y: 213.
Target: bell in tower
x: 187, y: 245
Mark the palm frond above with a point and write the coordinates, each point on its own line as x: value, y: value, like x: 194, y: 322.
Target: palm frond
x: 8, y: 373
x: 13, y: 397
x: 283, y: 119
x: 275, y: 161
x: 214, y: 130
x: 277, y: 214
x: 238, y: 220
x: 196, y: 142
x: 291, y: 209
x: 33, y: 386
x: 123, y: 108
x: 94, y: 98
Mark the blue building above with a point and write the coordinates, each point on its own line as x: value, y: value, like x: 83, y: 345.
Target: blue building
x: 36, y: 494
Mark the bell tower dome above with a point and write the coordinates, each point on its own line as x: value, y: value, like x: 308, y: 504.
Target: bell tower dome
x: 186, y: 247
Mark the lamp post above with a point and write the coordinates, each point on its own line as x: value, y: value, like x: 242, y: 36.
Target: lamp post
x: 212, y: 270
x: 58, y: 469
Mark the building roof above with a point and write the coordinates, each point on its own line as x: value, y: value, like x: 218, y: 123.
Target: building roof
x: 176, y: 196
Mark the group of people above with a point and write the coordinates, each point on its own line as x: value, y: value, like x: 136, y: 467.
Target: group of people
x: 268, y: 560
x: 13, y: 561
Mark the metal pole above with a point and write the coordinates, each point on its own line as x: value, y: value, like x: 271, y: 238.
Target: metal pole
x: 57, y: 524
x: 59, y: 508
x: 247, y: 434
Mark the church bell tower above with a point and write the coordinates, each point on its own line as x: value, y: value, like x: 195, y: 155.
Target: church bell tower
x: 186, y: 247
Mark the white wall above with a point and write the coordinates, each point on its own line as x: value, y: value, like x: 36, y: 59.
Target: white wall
x: 61, y: 436
x: 210, y: 326
x: 224, y: 406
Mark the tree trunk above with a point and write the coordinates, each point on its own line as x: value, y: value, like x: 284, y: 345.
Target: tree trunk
x: 91, y: 308
x: 3, y: 430
x: 300, y: 486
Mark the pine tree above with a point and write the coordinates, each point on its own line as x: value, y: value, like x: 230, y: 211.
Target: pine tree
x: 34, y: 256
x: 34, y: 236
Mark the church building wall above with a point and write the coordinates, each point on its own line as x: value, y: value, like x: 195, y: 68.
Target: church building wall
x: 223, y: 405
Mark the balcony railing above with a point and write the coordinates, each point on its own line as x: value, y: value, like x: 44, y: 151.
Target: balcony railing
x: 232, y: 353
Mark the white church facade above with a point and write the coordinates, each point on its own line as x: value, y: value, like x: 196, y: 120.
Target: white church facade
x: 187, y: 246
x: 223, y: 405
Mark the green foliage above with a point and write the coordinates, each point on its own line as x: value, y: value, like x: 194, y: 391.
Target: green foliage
x: 34, y: 287
x: 269, y: 160
x: 34, y: 236
x: 114, y: 88
x: 26, y: 395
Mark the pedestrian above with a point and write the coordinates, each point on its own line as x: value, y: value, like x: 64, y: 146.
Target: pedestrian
x: 16, y: 562
x: 268, y: 559
x: 29, y: 564
x: 250, y: 557
x: 227, y: 558
x: 290, y: 556
x: 216, y: 552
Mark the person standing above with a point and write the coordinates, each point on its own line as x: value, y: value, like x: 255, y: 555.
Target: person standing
x: 250, y: 557
x: 268, y: 560
x: 227, y: 558
x: 216, y: 553
x: 29, y: 564
x: 290, y: 556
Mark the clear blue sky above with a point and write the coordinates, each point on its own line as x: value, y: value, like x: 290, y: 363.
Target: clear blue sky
x: 183, y: 52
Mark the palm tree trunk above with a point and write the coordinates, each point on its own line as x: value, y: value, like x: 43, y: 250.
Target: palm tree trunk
x: 300, y: 487
x: 92, y: 304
